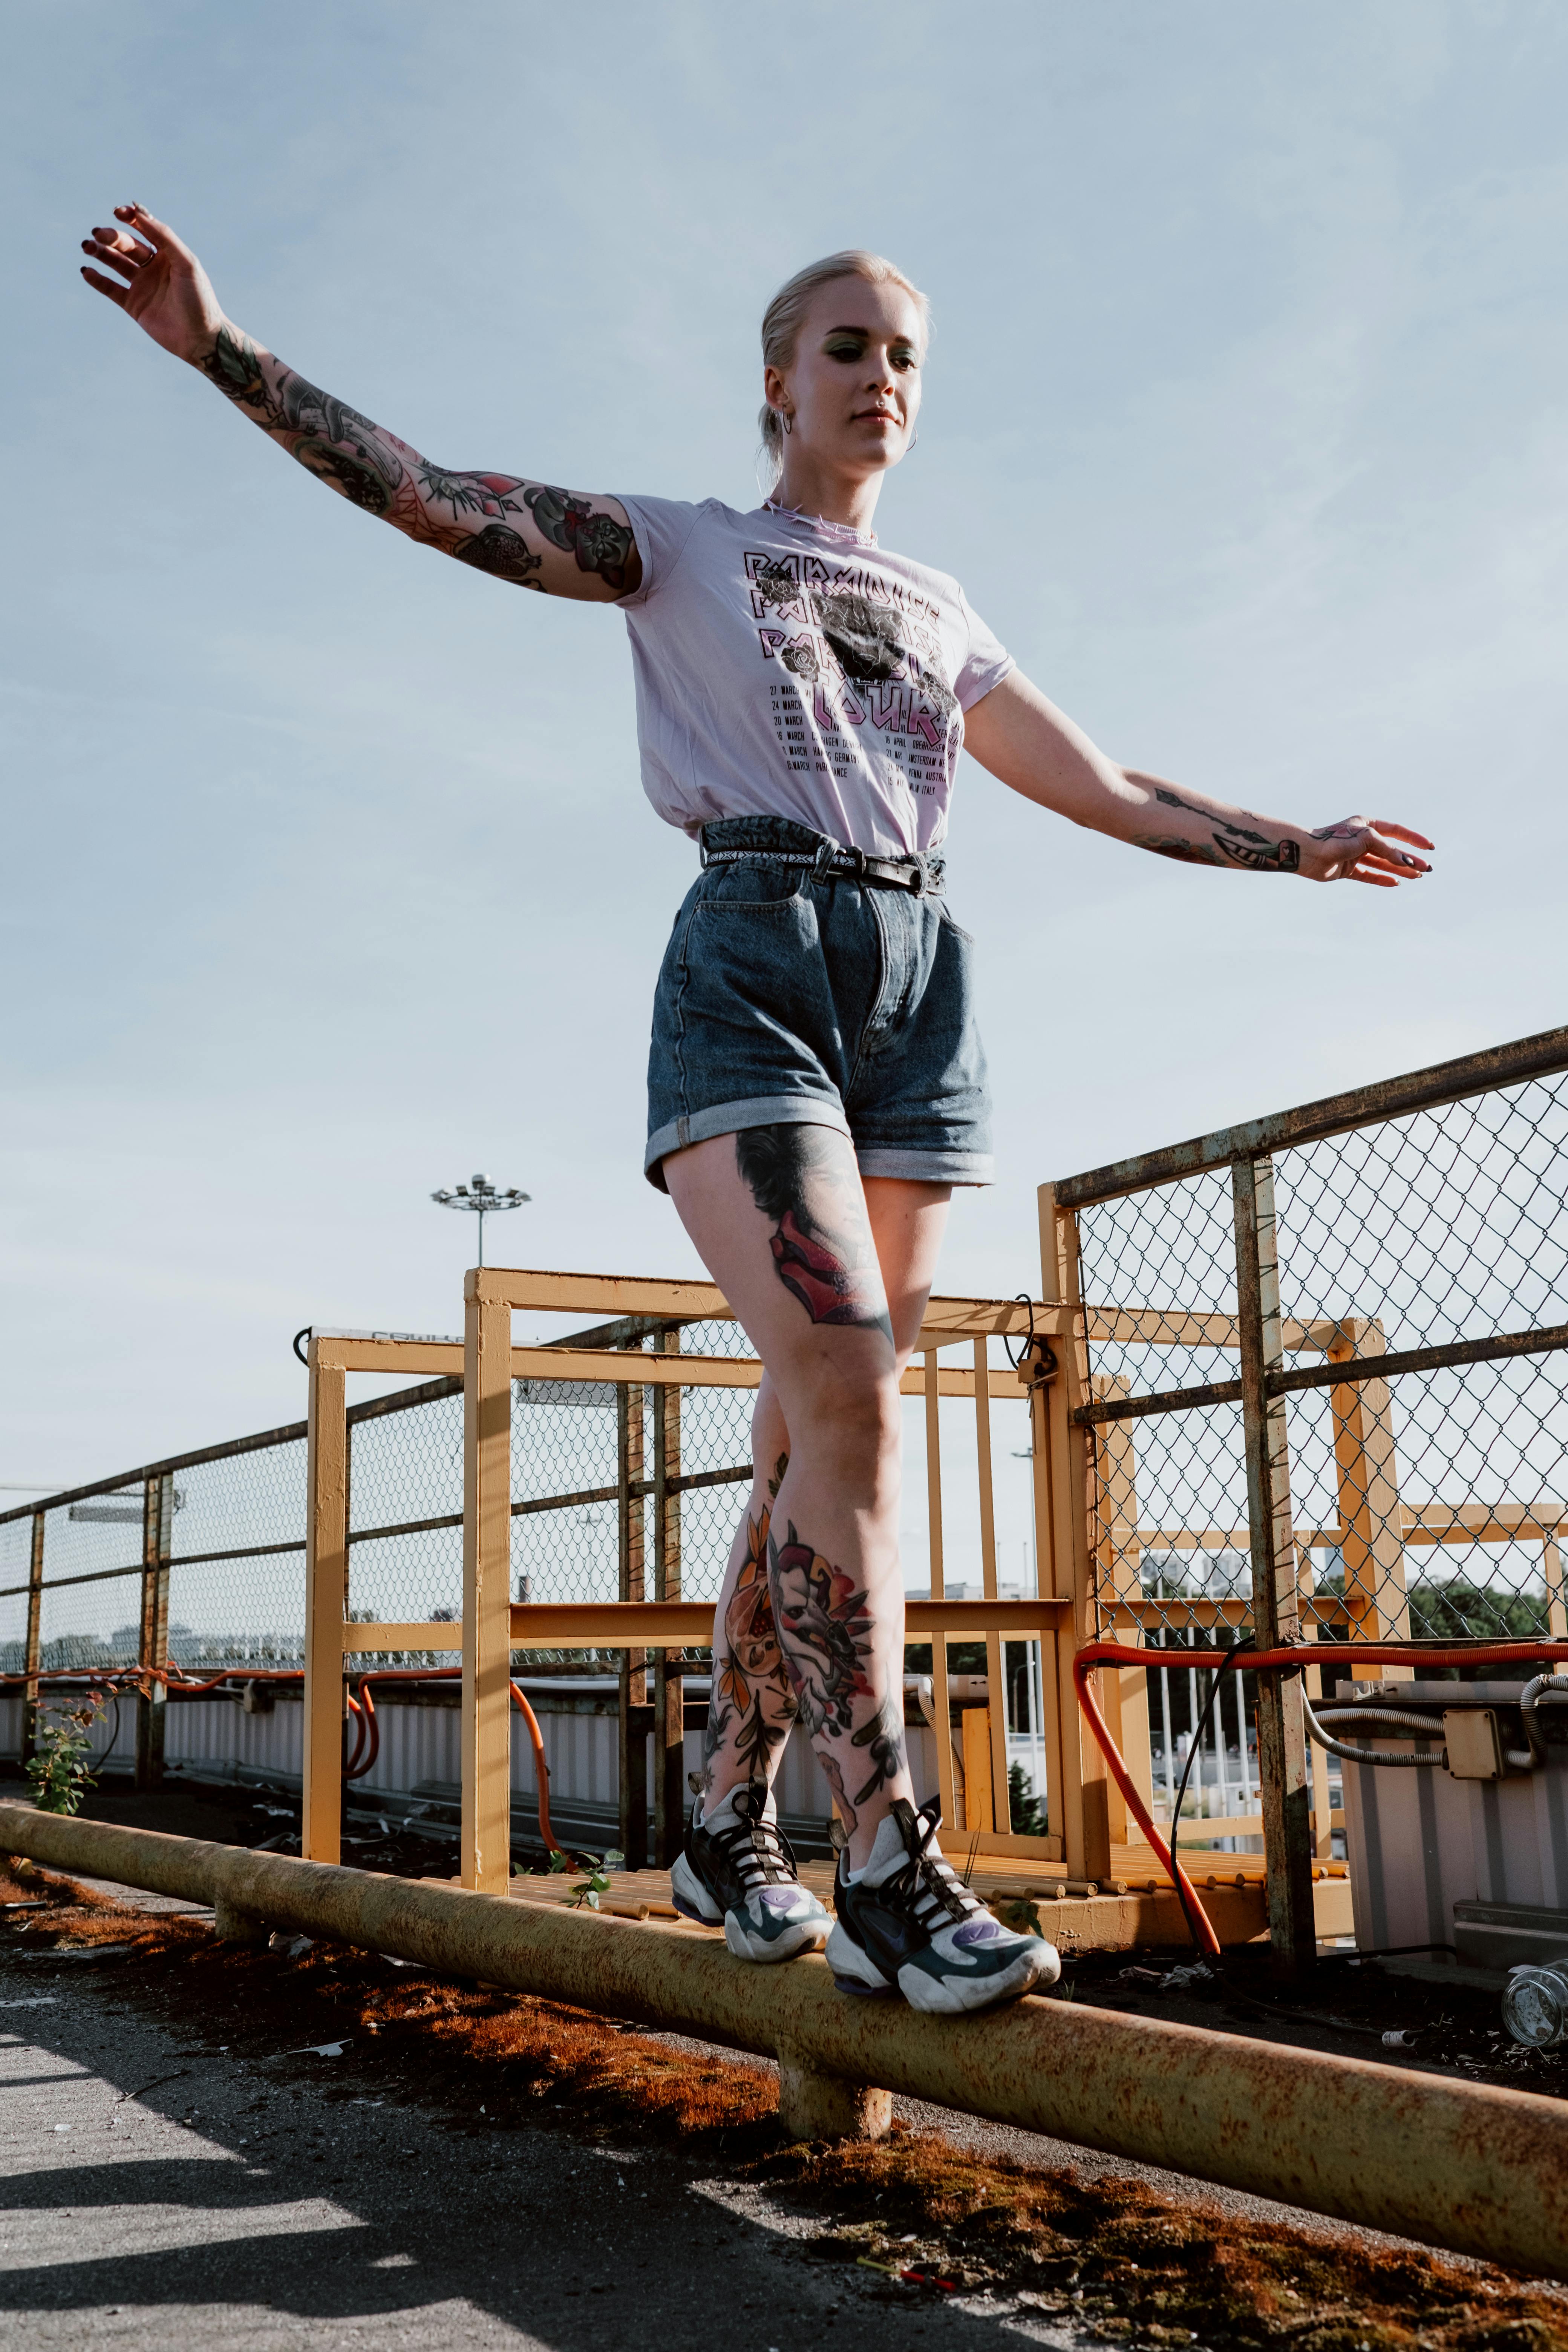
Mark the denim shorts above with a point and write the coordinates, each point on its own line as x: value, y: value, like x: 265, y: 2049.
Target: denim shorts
x: 788, y: 995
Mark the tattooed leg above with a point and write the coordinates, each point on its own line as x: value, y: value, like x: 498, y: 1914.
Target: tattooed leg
x: 823, y: 1331
x: 847, y: 1675
x: 752, y: 1706
x: 821, y: 1243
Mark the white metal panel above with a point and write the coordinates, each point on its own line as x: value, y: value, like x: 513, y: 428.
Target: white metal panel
x: 216, y: 1732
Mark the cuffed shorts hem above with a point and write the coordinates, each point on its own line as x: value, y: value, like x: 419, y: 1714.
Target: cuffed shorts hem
x: 935, y: 1167
x: 731, y: 1118
x: 929, y: 1167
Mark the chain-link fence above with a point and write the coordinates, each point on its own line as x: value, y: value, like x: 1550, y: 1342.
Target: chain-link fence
x: 228, y: 1524
x: 1411, y: 1245
x: 571, y: 1442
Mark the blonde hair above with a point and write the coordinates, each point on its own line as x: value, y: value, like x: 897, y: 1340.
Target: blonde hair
x: 785, y: 315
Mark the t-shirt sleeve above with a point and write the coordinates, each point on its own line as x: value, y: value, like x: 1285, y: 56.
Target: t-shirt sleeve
x: 986, y: 662
x: 661, y: 528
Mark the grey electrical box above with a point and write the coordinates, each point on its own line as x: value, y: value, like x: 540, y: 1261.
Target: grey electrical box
x: 1474, y: 1743
x: 1421, y: 1840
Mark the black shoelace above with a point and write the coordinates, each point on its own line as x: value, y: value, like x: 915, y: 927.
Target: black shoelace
x: 759, y: 1853
x: 927, y: 1881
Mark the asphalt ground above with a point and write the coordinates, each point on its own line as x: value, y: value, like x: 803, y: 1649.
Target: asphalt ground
x: 157, y: 2190
x: 159, y: 2186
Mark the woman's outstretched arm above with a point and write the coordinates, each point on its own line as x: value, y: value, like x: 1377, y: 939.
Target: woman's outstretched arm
x: 1034, y: 748
x: 562, y: 541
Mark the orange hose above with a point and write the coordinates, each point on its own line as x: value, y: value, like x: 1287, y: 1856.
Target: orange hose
x: 368, y: 1735
x: 356, y: 1708
x: 1298, y: 1653
x: 540, y: 1771
x: 1208, y: 1940
x: 369, y: 1729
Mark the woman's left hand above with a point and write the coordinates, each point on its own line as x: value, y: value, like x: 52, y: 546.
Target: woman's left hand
x: 1363, y: 849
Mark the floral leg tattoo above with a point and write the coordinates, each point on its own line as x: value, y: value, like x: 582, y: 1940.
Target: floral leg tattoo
x: 825, y: 1628
x: 825, y: 1634
x: 752, y: 1706
x: 828, y: 1262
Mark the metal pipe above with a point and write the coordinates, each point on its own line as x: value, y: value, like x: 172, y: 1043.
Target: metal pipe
x: 1428, y: 1089
x: 1422, y: 1728
x: 1529, y: 1699
x: 1455, y: 2164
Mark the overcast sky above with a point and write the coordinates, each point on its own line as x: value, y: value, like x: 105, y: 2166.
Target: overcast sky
x: 328, y: 878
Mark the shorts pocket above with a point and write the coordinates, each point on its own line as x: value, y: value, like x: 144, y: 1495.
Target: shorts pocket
x: 751, y: 890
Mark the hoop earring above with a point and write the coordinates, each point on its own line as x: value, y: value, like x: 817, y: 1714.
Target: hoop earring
x: 786, y: 420
x: 915, y: 442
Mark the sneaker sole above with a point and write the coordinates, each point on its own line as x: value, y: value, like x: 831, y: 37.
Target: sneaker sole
x: 808, y: 1935
x: 854, y: 1969
x: 958, y: 1996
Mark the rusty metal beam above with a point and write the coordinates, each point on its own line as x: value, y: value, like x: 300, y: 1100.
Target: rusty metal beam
x: 1461, y: 2164
x: 1285, y: 1382
x: 1281, y: 1736
x: 1445, y: 1082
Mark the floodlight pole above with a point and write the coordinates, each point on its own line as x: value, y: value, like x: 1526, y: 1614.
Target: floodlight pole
x: 481, y: 1198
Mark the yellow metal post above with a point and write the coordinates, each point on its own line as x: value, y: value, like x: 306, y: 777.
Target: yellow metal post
x: 995, y: 1649
x: 941, y: 1726
x: 632, y: 1726
x: 979, y: 1793
x: 153, y: 1646
x: 485, y: 1845
x: 668, y: 1682
x: 1084, y: 1816
x: 1282, y: 1733
x: 1051, y: 1642
x: 1556, y: 1615
x: 32, y: 1655
x: 1368, y: 1481
x: 326, y: 1607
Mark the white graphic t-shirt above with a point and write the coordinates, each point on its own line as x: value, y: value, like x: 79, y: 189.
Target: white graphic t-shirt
x: 785, y: 668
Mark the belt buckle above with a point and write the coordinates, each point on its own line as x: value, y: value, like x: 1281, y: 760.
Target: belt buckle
x: 918, y: 880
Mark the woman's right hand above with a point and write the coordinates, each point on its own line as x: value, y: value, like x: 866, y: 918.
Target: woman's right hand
x: 164, y: 288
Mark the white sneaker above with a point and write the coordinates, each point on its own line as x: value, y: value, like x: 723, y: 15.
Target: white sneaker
x: 738, y: 1866
x: 907, y: 1920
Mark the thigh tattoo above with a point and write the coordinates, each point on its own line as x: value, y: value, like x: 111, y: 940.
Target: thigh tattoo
x: 827, y: 1262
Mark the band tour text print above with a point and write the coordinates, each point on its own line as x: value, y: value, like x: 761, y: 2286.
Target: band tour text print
x: 863, y: 655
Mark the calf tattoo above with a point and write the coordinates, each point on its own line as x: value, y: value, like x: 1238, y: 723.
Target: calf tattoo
x: 1234, y: 844
x: 825, y: 1641
x: 751, y: 1706
x: 825, y: 1634
x: 831, y: 1267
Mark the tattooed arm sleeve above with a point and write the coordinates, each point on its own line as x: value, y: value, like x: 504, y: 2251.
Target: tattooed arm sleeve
x: 563, y: 542
x: 1035, y: 749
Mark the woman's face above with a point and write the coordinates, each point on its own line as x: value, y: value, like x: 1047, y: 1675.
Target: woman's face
x: 853, y: 390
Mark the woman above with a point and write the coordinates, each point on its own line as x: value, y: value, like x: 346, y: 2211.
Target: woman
x: 817, y: 1083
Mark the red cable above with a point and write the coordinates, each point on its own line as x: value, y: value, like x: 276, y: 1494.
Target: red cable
x: 1298, y: 1654
x: 367, y: 1741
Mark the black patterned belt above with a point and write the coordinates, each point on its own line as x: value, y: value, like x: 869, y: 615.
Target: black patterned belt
x: 912, y: 874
